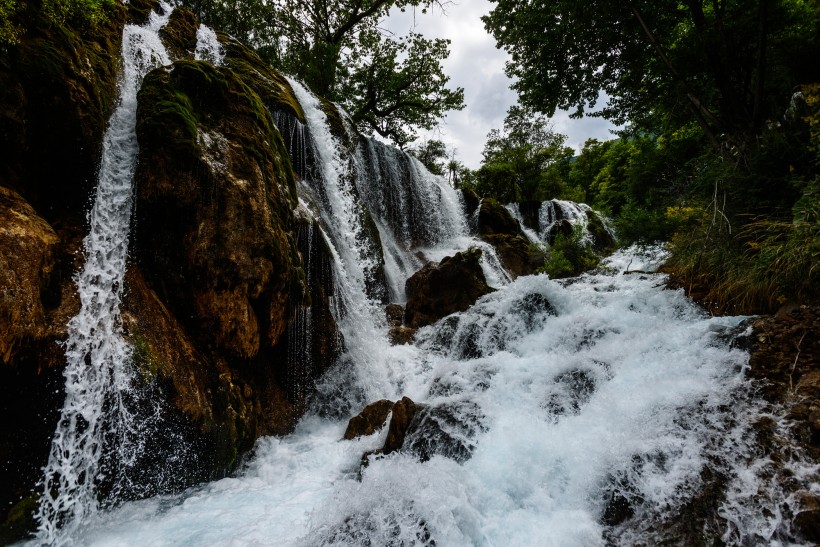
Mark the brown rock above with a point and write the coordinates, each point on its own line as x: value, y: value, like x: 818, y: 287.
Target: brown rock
x: 518, y: 256
x: 494, y: 218
x: 369, y: 420
x: 395, y: 314
x: 401, y: 336
x: 437, y: 290
x: 403, y: 413
x: 807, y: 525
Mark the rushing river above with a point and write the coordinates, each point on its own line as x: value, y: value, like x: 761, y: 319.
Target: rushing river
x: 589, y: 411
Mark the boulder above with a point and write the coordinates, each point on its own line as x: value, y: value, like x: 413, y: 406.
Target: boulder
x: 394, y: 314
x: 439, y: 289
x: 517, y: 254
x: 559, y: 227
x: 401, y: 336
x: 471, y: 201
x: 494, y: 218
x: 369, y: 420
x: 602, y: 240
x: 403, y: 413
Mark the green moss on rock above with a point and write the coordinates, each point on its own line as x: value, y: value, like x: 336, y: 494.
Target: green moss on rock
x: 179, y: 35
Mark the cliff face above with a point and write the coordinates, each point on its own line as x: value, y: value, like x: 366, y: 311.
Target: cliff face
x: 216, y: 283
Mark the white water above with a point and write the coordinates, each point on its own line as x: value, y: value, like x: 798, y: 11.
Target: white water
x: 208, y: 47
x: 555, y: 395
x: 97, y: 372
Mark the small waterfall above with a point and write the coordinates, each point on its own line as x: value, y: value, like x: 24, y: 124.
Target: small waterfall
x: 515, y: 211
x: 98, y: 373
x: 208, y: 47
x: 416, y: 212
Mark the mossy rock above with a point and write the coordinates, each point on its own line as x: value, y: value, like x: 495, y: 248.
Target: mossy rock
x: 20, y: 522
x: 179, y: 35
x: 272, y: 88
x: 58, y: 86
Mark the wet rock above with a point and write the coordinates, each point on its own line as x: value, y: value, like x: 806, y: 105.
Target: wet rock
x: 807, y: 525
x: 560, y: 227
x: 602, y: 240
x: 530, y: 214
x: 179, y: 35
x: 439, y: 289
x: 369, y: 420
x: 394, y: 314
x: 401, y: 336
x: 446, y: 430
x: 494, y: 218
x: 58, y: 87
x: 403, y: 413
x: 471, y: 201
x: 518, y: 255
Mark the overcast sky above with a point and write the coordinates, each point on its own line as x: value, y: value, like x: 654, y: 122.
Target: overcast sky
x: 477, y: 66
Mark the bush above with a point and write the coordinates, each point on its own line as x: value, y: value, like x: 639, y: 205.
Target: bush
x: 569, y: 256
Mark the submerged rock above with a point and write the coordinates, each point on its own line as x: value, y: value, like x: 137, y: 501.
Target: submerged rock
x: 400, y: 336
x: 439, y: 289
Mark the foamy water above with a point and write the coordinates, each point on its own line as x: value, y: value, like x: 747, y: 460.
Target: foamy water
x: 552, y: 396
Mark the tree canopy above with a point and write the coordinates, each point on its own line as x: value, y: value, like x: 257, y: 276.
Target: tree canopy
x: 729, y: 65
x: 391, y: 85
x: 517, y: 158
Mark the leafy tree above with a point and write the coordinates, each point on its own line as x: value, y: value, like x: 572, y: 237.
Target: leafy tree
x: 728, y: 65
x: 431, y: 154
x: 517, y: 158
x: 389, y: 85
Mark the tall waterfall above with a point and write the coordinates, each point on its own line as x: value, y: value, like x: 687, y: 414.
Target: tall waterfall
x: 98, y: 373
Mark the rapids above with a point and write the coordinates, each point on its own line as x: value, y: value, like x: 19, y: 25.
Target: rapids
x: 559, y: 396
x: 578, y: 412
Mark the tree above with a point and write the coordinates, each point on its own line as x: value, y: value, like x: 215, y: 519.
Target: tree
x: 728, y: 65
x: 389, y: 85
x: 517, y: 158
x: 431, y: 154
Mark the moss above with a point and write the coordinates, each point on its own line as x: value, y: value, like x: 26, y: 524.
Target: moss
x: 272, y: 88
x: 143, y: 359
x: 179, y: 35
x: 20, y: 523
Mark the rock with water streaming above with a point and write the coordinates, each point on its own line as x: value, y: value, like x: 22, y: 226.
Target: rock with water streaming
x: 439, y: 289
x: 518, y: 255
x: 494, y: 218
x: 369, y: 420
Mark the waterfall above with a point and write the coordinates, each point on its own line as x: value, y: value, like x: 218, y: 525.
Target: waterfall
x: 208, y: 47
x: 98, y: 373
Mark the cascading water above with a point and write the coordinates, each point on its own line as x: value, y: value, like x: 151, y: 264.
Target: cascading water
x: 582, y: 412
x: 208, y: 47
x: 587, y: 411
x: 98, y: 374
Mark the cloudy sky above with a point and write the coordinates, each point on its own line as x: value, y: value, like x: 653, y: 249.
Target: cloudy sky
x: 477, y: 66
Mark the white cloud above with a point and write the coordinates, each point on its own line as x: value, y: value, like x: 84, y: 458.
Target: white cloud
x: 477, y: 66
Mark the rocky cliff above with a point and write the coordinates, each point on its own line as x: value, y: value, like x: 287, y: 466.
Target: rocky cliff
x: 217, y: 281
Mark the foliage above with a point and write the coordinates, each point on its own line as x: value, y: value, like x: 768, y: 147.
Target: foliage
x: 728, y: 66
x: 519, y: 161
x: 569, y: 255
x: 84, y: 13
x: 390, y: 85
x: 431, y: 154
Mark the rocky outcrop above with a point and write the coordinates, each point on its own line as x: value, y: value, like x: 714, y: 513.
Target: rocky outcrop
x: 785, y: 360
x: 439, y: 289
x: 369, y: 420
x: 494, y: 218
x: 219, y: 284
x: 518, y: 255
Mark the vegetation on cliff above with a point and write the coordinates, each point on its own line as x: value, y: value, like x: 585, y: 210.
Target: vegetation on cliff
x: 719, y: 148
